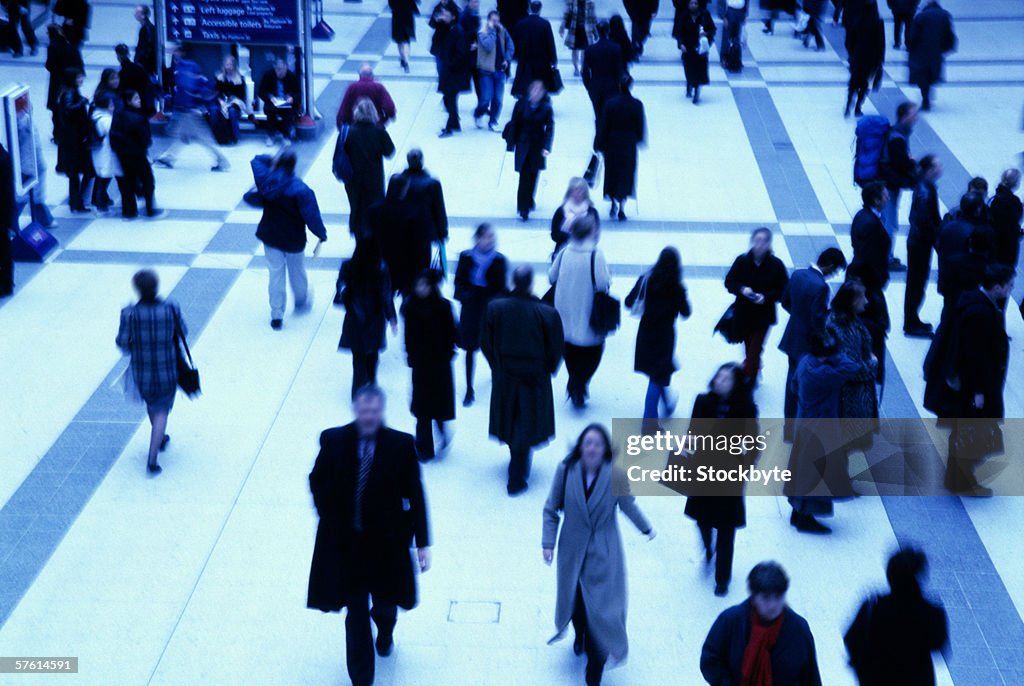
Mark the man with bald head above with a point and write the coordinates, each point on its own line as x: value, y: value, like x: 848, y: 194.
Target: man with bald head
x: 522, y: 339
x: 371, y: 89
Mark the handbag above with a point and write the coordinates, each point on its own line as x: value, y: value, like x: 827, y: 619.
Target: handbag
x: 637, y: 308
x: 188, y: 375
x: 605, y: 315
x: 555, y: 84
x: 703, y: 45
x: 439, y: 261
x: 342, y: 163
x: 590, y: 175
x: 728, y: 326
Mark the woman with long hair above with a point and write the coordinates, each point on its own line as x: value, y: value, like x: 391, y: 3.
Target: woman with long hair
x: 591, y: 569
x: 230, y: 103
x: 575, y: 204
x: 662, y: 296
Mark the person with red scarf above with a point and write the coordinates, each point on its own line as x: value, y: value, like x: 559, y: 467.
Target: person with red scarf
x: 761, y: 641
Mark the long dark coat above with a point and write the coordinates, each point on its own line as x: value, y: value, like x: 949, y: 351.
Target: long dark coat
x: 385, y: 565
x: 394, y: 223
x: 722, y: 509
x: 769, y: 279
x: 512, y: 12
x: 427, y: 196
x: 369, y: 305
x: 868, y: 53
x: 73, y: 153
x: 871, y: 243
x: 602, y: 71
x: 931, y: 37
x: 367, y: 145
x: 429, y: 347
x: 1007, y: 211
x: 981, y: 357
x: 794, y: 660
x: 522, y: 340
x: 455, y: 62
x: 656, y: 335
x: 530, y: 131
x: 403, y: 20
x: 535, y: 53
x: 475, y: 298
x: 60, y: 55
x: 686, y: 31
x: 590, y: 553
x: 621, y: 128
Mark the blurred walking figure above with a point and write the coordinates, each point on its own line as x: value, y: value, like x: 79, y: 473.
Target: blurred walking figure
x: 429, y: 347
x: 480, y: 276
x: 903, y: 17
x: 403, y: 27
x: 521, y: 338
x: 150, y: 332
x: 579, y: 29
x: 364, y: 290
x: 19, y: 18
x: 192, y: 97
x: 893, y: 636
x: 530, y: 133
x: 761, y: 640
x: 641, y: 13
x: 867, y: 55
x: 694, y: 31
x: 289, y: 209
x: 931, y: 37
x: 367, y: 144
x: 621, y: 129
x: 591, y: 568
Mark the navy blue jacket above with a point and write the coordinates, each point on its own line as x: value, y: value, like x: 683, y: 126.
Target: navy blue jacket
x: 806, y: 300
x: 289, y: 206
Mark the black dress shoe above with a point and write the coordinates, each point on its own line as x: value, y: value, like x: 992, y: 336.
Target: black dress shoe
x: 808, y: 525
x: 516, y: 490
x: 385, y: 645
x: 721, y: 590
x: 919, y: 331
x: 154, y: 469
x: 469, y: 399
x: 163, y: 443
x: 276, y: 324
x: 577, y: 645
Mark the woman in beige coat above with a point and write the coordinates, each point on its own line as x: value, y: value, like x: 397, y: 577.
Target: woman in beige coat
x: 591, y: 563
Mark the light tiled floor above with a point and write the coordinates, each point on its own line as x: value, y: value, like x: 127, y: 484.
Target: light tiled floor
x: 199, y: 576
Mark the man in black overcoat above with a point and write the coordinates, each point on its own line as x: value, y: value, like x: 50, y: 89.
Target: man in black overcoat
x: 456, y: 70
x: 367, y: 490
x: 603, y: 68
x: 145, y: 46
x: 641, y: 13
x: 931, y: 37
x: 427, y: 197
x: 535, y: 50
x: 522, y: 339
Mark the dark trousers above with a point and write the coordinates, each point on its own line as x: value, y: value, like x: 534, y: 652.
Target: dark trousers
x: 641, y: 30
x: 595, y: 656
x: 19, y: 17
x: 281, y: 119
x: 813, y: 29
x: 581, y: 362
x: 919, y: 267
x: 790, y: 402
x: 136, y: 179
x: 451, y: 106
x: 78, y: 186
x: 518, y: 467
x: 724, y: 546
x: 425, y: 436
x: 527, y: 187
x: 358, y: 634
x: 901, y: 23
x: 753, y: 347
x: 926, y: 96
x: 100, y: 196
x: 364, y: 369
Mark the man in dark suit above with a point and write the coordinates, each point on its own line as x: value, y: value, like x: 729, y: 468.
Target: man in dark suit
x: 8, y: 223
x: 806, y: 300
x: 872, y: 246
x: 603, y: 68
x: 522, y: 339
x: 535, y: 51
x: 427, y: 197
x: 367, y: 491
x: 980, y: 360
x: 924, y: 231
x: 967, y: 234
x: 145, y: 47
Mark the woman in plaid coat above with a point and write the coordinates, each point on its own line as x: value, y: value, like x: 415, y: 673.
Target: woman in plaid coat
x: 149, y: 333
x: 579, y: 29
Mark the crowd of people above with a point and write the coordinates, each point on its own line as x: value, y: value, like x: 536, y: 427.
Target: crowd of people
x: 366, y: 482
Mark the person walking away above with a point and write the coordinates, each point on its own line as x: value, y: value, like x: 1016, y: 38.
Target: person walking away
x: 426, y: 195
x: 720, y: 511
x: 806, y: 300
x: 192, y: 98
x: 641, y: 14
x: 368, y: 494
x: 536, y: 58
x: 394, y: 225
x: 761, y: 640
x: 130, y: 138
x: 18, y: 16
x: 74, y: 156
x: 403, y: 27
x: 521, y: 338
x: 618, y: 35
x: 455, y: 71
x: 591, y: 568
x: 758, y: 279
x: 867, y: 55
x: 903, y: 12
x: 575, y: 205
x: 604, y: 66
x: 494, y: 55
x: 774, y: 8
x: 364, y: 290
x: 579, y: 29
x: 150, y: 331
x: 289, y: 209
x: 530, y: 133
x: 577, y: 273
x: 366, y: 86
x: 103, y: 159
x: 931, y: 37
x: 367, y: 144
x: 925, y: 221
x: 621, y: 129
x: 1006, y: 211
x: 661, y: 295
x: 429, y: 347
x: 694, y: 31
x: 732, y: 35
x: 480, y: 276
x: 814, y: 9
x: 898, y: 169
x: 893, y: 636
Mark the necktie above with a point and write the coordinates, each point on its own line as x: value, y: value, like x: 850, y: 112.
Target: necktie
x: 365, y: 463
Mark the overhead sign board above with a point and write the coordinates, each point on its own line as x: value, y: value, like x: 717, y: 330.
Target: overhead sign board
x: 233, y: 21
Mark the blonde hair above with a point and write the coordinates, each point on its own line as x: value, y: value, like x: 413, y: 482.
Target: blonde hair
x: 577, y: 183
x: 365, y: 111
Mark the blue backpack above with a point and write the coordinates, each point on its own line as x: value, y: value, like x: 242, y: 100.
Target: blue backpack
x: 872, y: 133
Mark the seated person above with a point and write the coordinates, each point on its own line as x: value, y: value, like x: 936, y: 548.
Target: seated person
x: 230, y: 103
x: 279, y: 91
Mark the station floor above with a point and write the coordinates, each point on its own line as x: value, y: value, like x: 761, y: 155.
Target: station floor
x: 199, y: 576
